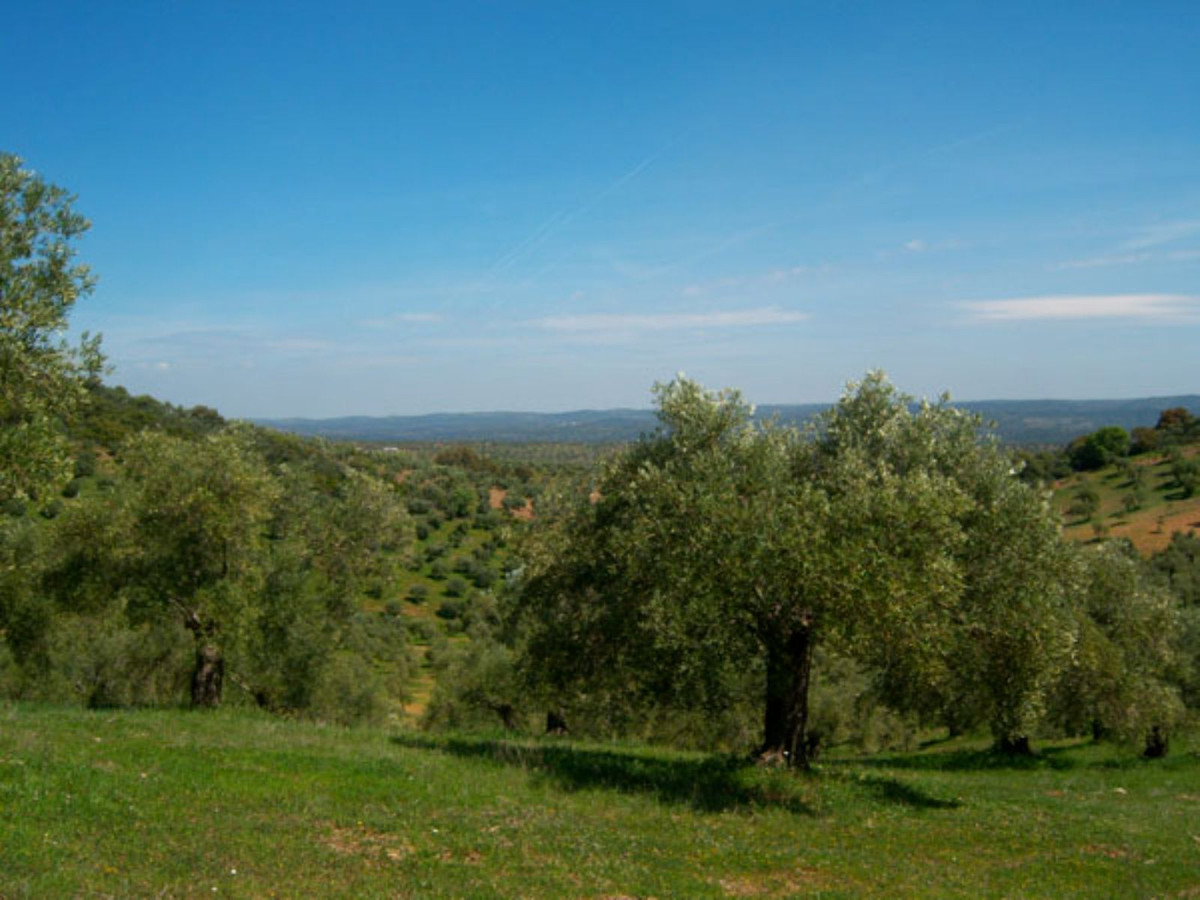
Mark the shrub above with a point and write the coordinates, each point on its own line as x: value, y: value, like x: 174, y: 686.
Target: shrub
x: 85, y: 464
x: 422, y: 631
x: 449, y: 609
x: 1086, y: 503
x: 1099, y: 448
x: 350, y: 692
x: 102, y: 662
x: 1143, y: 440
x: 1186, y: 473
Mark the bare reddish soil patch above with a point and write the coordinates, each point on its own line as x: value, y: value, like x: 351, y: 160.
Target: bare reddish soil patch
x: 1151, y: 533
x: 363, y: 841
x: 496, y: 497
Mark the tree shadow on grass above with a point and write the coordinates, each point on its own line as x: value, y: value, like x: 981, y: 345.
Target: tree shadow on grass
x: 705, y: 783
x: 970, y: 761
x: 893, y: 791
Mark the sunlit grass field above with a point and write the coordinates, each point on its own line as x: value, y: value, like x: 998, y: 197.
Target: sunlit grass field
x: 176, y: 804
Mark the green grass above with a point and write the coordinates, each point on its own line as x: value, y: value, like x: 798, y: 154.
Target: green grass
x: 159, y: 803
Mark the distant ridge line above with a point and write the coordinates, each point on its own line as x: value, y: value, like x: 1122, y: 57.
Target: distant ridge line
x: 1016, y: 421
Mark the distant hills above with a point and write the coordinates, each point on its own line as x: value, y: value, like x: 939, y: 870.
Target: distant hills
x: 1046, y: 422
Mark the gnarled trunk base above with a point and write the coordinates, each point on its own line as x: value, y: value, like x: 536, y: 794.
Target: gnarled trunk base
x: 1014, y: 746
x: 1157, y: 744
x: 208, y: 677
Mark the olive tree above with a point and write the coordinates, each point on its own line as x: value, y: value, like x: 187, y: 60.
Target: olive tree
x: 721, y: 545
x: 198, y: 512
x: 986, y: 646
x: 41, y: 376
x: 1122, y: 679
x: 328, y: 546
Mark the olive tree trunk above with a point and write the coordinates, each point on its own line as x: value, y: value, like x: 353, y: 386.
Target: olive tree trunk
x: 208, y: 674
x: 785, y: 717
x: 208, y: 677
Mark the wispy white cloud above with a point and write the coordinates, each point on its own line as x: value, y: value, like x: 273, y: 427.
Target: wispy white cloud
x: 1100, y: 262
x: 922, y: 245
x: 214, y: 340
x: 633, y: 322
x: 407, y: 318
x: 357, y: 361
x: 757, y: 281
x: 1165, y: 233
x: 1146, y: 307
x: 300, y: 344
x: 1128, y: 259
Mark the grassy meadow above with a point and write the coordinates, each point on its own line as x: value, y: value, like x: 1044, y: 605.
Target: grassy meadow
x: 236, y: 804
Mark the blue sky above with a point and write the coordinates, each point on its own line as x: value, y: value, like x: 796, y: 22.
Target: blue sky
x: 323, y: 209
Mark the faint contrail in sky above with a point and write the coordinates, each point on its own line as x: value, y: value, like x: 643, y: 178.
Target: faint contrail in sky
x: 561, y: 219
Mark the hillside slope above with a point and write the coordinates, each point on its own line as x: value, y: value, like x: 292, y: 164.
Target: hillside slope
x: 1147, y: 515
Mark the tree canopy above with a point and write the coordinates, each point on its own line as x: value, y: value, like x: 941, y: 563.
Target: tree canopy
x: 41, y: 377
x: 893, y: 533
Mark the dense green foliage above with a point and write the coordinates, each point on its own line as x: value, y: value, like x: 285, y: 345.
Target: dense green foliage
x: 1124, y: 673
x: 1178, y: 564
x: 194, y: 561
x: 187, y: 562
x: 1099, y: 448
x: 41, y: 378
x: 721, y: 547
